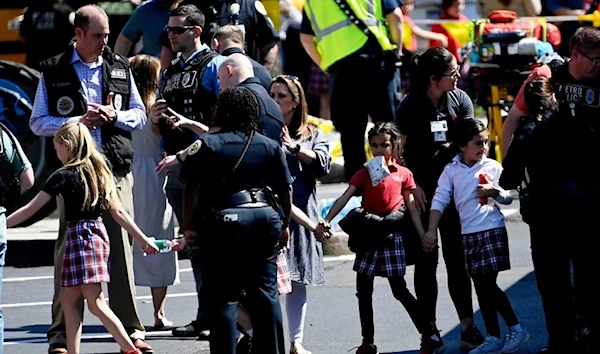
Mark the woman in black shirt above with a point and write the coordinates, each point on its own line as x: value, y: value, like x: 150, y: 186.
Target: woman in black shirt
x: 426, y: 120
x: 88, y: 188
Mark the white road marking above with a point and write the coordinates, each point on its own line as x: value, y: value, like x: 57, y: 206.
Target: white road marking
x: 48, y: 303
x: 182, y: 270
x: 83, y: 338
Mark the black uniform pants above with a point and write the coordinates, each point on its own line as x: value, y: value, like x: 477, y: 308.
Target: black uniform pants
x: 364, y: 293
x: 459, y: 283
x: 571, y: 237
x: 241, y: 253
x: 360, y: 87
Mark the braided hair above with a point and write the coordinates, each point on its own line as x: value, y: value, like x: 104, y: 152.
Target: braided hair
x: 237, y: 111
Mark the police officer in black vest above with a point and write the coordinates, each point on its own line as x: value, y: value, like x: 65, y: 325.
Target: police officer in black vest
x: 249, y: 15
x: 88, y: 83
x: 556, y: 159
x: 188, y: 91
x: 234, y: 216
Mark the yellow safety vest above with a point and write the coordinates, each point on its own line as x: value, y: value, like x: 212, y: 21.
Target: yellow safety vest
x: 407, y: 38
x: 336, y: 34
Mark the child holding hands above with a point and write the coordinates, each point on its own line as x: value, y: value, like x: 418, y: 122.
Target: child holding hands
x: 88, y: 187
x: 390, y: 260
x: 471, y: 179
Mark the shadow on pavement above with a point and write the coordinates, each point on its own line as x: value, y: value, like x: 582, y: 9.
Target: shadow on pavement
x: 526, y: 302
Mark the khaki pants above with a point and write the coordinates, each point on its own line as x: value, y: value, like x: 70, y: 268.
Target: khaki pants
x: 121, y: 289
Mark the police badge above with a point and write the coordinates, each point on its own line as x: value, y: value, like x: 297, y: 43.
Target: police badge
x: 195, y: 147
x: 65, y: 105
x: 118, y: 102
x: 590, y: 96
x: 186, y: 79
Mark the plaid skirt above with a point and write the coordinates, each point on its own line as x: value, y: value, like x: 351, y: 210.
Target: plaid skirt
x: 486, y: 251
x: 284, y: 284
x: 318, y: 81
x: 86, y: 254
x: 388, y: 261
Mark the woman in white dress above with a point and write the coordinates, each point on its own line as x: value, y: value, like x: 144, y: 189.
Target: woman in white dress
x: 152, y: 212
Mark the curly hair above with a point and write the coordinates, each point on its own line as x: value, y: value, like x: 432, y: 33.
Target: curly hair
x: 237, y: 110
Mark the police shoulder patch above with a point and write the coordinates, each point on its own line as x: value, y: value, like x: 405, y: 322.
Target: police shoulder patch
x: 195, y: 147
x: 260, y: 8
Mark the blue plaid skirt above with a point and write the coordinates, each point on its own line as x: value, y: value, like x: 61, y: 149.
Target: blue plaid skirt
x: 486, y: 251
x: 388, y: 261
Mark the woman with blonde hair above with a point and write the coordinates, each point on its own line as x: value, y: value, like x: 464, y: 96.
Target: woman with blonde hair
x: 155, y: 215
x: 307, y: 154
x: 88, y: 188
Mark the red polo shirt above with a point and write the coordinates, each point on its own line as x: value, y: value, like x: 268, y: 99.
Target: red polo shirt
x: 385, y: 197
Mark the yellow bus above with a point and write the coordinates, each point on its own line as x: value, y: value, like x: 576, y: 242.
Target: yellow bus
x: 10, y: 47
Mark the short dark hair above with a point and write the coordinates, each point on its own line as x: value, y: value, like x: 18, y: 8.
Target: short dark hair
x: 237, y: 110
x: 193, y: 15
x: 466, y: 129
x: 538, y: 96
x: 83, y: 16
x: 585, y: 39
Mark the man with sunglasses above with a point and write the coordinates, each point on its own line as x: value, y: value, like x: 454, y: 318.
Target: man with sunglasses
x: 555, y: 158
x: 188, y: 91
x: 261, y: 37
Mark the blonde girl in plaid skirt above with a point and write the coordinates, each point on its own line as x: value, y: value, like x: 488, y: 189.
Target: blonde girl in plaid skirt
x: 87, y: 185
x: 471, y: 179
x: 389, y: 261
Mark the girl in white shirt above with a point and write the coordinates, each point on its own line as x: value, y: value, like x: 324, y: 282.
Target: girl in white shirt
x: 472, y: 178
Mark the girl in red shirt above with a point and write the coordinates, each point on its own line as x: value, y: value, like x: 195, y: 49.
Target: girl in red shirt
x: 390, y: 260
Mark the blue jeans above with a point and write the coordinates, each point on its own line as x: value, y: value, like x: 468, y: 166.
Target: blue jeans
x: 2, y: 256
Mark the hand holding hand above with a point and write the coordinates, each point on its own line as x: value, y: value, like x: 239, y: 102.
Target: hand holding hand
x: 179, y: 244
x: 284, y: 239
x: 430, y: 241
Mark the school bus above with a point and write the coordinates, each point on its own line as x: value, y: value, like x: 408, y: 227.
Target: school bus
x: 10, y: 46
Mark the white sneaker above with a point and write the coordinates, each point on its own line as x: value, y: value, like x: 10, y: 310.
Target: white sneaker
x: 490, y: 345
x: 515, y: 340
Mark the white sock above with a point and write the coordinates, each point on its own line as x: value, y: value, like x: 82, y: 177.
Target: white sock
x: 517, y: 328
x: 249, y: 333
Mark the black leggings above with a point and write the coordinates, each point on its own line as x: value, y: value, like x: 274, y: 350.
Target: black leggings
x: 459, y: 283
x: 364, y: 293
x: 493, y: 301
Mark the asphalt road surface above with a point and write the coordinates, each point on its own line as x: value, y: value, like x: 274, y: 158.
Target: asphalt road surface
x: 332, y: 323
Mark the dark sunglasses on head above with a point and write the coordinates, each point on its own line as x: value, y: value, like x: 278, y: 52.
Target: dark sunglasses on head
x: 178, y: 29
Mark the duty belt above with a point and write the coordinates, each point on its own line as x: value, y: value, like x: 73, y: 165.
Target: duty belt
x: 254, y: 198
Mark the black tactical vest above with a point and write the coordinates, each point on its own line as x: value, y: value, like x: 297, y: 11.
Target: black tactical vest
x: 578, y: 99
x: 66, y: 100
x: 182, y: 88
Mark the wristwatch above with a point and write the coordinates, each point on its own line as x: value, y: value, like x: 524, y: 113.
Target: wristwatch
x: 296, y: 149
x: 178, y: 157
x: 113, y: 119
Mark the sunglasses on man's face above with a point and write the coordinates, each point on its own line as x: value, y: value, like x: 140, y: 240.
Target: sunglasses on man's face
x: 178, y: 29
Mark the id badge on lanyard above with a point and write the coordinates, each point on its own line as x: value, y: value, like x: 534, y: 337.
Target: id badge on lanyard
x: 439, y: 129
